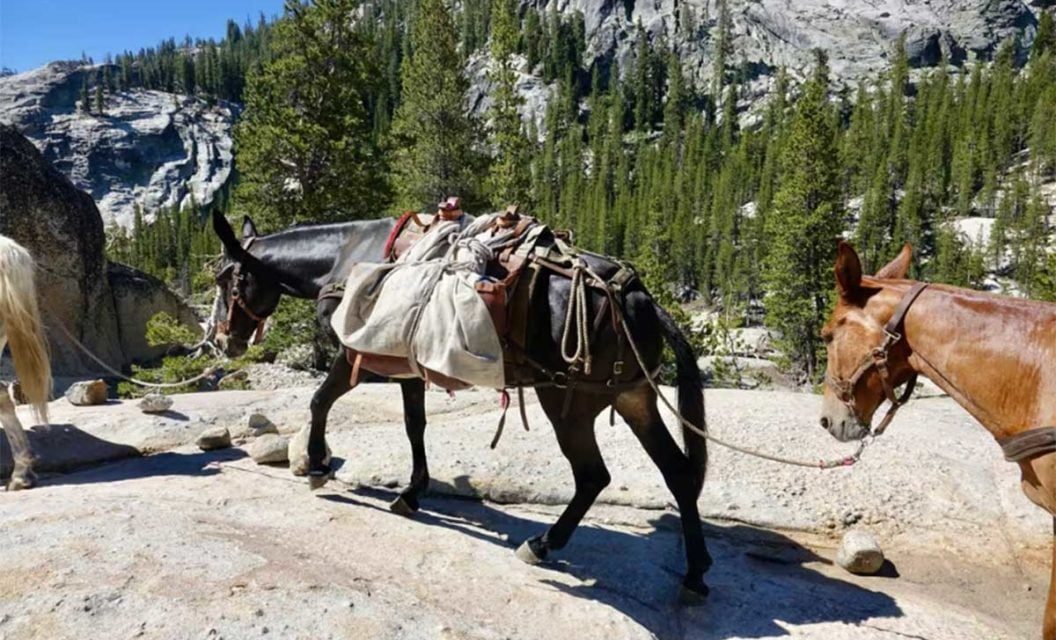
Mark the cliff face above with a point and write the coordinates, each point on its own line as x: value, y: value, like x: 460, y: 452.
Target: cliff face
x: 150, y: 148
x: 79, y: 289
x: 772, y: 33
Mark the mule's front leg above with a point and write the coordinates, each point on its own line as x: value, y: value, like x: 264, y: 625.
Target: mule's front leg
x: 575, y: 435
x: 337, y: 384
x: 414, y: 420
x: 22, y: 477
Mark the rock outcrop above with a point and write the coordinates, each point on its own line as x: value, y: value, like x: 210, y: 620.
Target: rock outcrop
x: 770, y: 34
x: 104, y: 306
x: 149, y: 148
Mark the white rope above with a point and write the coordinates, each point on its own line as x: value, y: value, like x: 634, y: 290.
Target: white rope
x: 820, y: 464
x: 150, y: 385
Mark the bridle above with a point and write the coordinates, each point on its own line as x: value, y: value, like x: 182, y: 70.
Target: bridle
x: 877, y: 359
x: 236, y: 299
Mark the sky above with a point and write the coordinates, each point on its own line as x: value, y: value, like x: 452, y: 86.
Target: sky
x: 35, y: 32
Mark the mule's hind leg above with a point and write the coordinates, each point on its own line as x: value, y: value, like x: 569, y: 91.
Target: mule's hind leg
x: 22, y: 477
x: 336, y: 384
x: 414, y: 420
x: 638, y: 408
x: 575, y: 435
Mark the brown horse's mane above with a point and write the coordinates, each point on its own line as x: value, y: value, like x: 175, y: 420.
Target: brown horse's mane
x: 871, y: 282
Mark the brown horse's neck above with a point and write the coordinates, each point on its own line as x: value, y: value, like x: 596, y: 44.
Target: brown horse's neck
x: 996, y: 356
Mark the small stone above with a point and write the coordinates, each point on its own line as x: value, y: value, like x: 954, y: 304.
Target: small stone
x: 87, y: 393
x: 297, y: 452
x: 260, y: 425
x: 215, y: 438
x: 155, y: 403
x: 269, y: 448
x: 860, y: 552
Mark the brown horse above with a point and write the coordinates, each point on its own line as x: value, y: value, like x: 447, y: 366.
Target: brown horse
x: 994, y: 355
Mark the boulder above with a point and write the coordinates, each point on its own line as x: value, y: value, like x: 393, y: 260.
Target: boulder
x: 103, y: 306
x: 87, y: 393
x: 61, y: 227
x: 155, y: 403
x: 137, y: 298
x: 259, y: 425
x: 214, y: 438
x: 269, y: 448
x: 860, y: 552
x: 297, y: 452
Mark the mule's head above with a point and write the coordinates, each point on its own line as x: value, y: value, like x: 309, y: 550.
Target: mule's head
x: 854, y: 389
x: 247, y: 290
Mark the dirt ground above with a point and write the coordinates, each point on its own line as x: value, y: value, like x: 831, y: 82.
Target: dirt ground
x: 186, y: 544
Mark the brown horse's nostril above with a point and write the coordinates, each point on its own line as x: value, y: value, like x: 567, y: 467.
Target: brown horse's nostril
x: 825, y: 423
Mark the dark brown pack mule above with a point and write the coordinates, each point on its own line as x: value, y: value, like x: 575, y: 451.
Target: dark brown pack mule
x: 994, y: 355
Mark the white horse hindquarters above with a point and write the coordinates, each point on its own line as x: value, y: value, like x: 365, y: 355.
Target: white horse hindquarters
x: 21, y: 329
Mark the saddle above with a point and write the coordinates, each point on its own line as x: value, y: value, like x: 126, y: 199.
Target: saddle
x: 504, y: 291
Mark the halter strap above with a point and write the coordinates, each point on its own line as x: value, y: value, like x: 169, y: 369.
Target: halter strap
x: 877, y: 358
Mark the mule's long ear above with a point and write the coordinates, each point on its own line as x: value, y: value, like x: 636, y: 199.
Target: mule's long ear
x: 227, y: 235
x: 899, y: 267
x: 848, y: 269
x: 249, y: 230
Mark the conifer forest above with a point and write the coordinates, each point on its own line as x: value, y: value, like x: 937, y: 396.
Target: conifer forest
x: 356, y: 109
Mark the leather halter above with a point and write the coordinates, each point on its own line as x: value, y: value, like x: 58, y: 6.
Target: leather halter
x: 235, y: 300
x: 877, y: 358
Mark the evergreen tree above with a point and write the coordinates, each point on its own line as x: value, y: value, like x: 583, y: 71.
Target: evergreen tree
x: 433, y: 136
x: 100, y: 100
x: 305, y: 148
x: 509, y: 180
x: 1045, y: 37
x: 804, y: 225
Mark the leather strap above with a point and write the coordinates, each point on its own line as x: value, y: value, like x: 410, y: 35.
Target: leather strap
x: 891, y: 328
x: 1029, y: 444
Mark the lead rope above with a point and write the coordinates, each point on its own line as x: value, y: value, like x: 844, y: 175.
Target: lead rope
x: 150, y: 385
x: 820, y: 464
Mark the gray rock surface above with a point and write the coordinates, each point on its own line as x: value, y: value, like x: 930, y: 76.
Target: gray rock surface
x: 214, y: 438
x: 155, y: 403
x: 269, y: 448
x: 860, y: 552
x: 87, y: 393
x: 150, y: 148
x: 104, y: 306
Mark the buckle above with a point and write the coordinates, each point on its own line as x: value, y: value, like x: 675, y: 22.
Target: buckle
x: 617, y: 368
x: 892, y: 336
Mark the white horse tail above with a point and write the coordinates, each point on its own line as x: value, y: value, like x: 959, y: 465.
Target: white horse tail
x: 20, y: 322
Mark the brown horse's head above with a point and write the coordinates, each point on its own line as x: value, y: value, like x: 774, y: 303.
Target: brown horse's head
x: 854, y: 389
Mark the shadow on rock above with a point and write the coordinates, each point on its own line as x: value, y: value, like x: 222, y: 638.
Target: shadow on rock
x: 62, y: 447
x: 761, y: 580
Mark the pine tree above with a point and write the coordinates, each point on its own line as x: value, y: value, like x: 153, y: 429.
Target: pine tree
x: 1044, y: 37
x: 804, y: 225
x: 305, y: 148
x: 433, y: 136
x: 100, y: 100
x: 509, y: 179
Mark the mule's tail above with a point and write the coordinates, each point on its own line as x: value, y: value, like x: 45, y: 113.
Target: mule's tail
x: 20, y: 322
x: 690, y: 393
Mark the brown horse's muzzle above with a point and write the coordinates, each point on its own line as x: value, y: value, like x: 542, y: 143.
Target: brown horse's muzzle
x: 838, y: 419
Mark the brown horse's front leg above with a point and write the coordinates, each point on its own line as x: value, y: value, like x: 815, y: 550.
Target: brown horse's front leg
x: 1049, y: 626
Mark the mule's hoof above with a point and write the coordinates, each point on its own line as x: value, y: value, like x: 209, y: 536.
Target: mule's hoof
x: 318, y: 479
x: 529, y: 555
x: 400, y: 507
x: 693, y: 595
x: 26, y: 480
